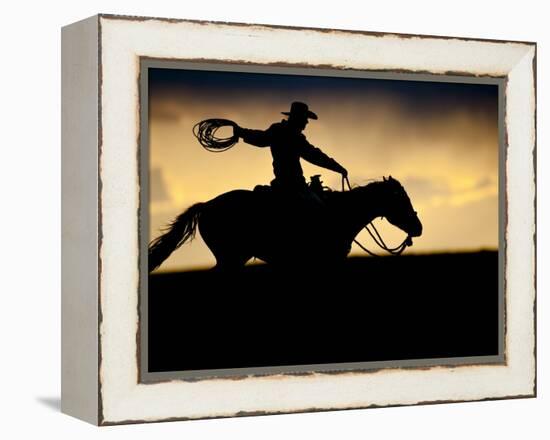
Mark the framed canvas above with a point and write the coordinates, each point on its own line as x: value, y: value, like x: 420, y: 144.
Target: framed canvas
x: 364, y: 237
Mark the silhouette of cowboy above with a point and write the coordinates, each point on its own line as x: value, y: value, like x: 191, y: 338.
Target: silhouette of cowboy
x: 288, y: 145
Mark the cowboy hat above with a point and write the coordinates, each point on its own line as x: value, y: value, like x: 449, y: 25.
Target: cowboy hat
x: 300, y: 109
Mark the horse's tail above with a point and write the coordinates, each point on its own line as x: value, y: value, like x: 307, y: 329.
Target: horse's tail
x: 177, y: 233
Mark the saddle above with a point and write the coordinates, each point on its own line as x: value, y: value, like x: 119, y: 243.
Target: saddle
x: 315, y: 185
x: 306, y: 202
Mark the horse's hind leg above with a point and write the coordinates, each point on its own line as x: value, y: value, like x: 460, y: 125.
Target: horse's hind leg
x: 230, y: 263
x: 225, y: 239
x: 229, y: 256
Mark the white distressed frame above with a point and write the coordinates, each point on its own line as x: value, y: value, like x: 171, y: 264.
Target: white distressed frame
x: 122, y: 41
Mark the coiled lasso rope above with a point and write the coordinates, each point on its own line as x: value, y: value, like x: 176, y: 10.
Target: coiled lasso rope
x: 205, y: 132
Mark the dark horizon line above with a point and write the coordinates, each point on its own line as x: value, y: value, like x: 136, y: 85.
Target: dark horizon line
x: 353, y: 257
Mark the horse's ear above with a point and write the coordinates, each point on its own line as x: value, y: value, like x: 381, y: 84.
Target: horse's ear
x: 384, y: 178
x: 390, y: 178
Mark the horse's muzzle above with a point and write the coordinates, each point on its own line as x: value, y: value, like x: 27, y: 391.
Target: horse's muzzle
x: 416, y: 228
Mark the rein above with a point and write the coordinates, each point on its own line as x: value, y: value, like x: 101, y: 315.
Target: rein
x: 376, y: 235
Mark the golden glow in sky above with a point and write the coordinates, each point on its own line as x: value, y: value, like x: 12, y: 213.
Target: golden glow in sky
x: 440, y: 142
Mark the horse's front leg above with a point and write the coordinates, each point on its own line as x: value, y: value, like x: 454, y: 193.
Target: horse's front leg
x: 230, y: 263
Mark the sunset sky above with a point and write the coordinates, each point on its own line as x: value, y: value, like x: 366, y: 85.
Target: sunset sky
x: 440, y: 140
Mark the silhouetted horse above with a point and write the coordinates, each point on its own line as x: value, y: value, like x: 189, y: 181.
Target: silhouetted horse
x: 239, y: 225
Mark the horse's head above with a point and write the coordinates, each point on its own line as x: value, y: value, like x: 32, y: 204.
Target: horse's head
x: 398, y: 208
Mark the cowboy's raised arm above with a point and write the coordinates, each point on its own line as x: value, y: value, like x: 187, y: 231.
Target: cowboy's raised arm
x: 258, y: 138
x: 315, y: 156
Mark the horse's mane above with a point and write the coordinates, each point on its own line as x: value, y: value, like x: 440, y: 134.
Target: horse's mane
x: 336, y: 197
x: 355, y: 188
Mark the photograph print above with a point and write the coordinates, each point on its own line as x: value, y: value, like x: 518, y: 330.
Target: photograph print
x: 300, y: 220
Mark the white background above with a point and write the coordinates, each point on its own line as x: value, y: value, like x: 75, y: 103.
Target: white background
x: 30, y: 218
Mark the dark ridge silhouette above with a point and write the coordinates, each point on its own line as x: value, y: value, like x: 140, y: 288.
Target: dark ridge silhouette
x: 365, y: 309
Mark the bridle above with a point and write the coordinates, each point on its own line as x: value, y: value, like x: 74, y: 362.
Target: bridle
x: 376, y: 235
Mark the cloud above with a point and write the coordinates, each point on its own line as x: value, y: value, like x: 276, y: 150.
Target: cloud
x: 158, y: 191
x: 166, y: 109
x: 472, y: 224
x: 483, y: 183
x: 422, y: 189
